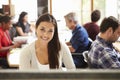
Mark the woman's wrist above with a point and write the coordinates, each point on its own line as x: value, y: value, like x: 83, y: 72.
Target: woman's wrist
x: 10, y: 48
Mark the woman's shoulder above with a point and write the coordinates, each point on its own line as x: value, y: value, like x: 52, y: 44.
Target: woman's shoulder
x: 18, y: 24
x: 29, y: 47
x: 64, y: 48
x: 63, y: 45
x: 27, y: 52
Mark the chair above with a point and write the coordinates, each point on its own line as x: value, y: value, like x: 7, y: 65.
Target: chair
x: 85, y: 55
x: 79, y: 60
x: 90, y: 39
x: 12, y: 32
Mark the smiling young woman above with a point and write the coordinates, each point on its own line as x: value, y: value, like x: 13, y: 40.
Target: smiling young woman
x: 47, y: 52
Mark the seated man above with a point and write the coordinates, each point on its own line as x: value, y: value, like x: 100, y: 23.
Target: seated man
x: 92, y: 27
x: 102, y: 53
x: 79, y: 41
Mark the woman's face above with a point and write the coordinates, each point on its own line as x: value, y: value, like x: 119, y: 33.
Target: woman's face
x: 25, y: 19
x: 45, y: 32
x: 7, y: 25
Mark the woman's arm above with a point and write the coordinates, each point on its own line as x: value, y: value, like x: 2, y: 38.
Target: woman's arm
x: 32, y: 28
x: 10, y: 47
x: 67, y: 57
x: 25, y: 61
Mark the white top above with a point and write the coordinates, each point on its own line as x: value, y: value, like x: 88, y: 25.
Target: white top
x: 28, y: 58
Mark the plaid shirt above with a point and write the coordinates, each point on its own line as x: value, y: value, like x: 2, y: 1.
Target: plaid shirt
x: 103, y: 55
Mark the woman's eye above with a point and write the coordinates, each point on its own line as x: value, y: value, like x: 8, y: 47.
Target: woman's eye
x: 42, y: 29
x: 51, y: 31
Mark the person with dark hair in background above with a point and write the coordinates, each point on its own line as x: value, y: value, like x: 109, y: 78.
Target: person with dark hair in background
x: 91, y: 27
x: 22, y: 26
x: 5, y: 40
x: 47, y: 52
x: 102, y: 54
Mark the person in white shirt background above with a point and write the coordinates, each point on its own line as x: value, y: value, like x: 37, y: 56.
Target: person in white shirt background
x: 47, y: 52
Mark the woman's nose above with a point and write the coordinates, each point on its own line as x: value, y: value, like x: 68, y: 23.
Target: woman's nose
x: 45, y: 33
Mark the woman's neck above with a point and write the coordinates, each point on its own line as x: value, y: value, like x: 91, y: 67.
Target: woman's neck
x: 41, y: 44
x: 24, y: 22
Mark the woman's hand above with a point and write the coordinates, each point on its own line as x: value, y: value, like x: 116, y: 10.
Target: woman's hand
x: 18, y: 44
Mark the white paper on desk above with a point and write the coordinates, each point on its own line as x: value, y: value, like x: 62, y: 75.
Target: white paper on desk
x: 13, y: 57
x: 31, y: 39
x: 27, y: 39
x: 20, y: 38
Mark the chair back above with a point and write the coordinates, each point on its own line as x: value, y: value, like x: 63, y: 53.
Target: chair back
x: 85, y: 55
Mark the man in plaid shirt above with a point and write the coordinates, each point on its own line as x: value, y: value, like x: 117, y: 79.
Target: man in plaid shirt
x: 102, y: 54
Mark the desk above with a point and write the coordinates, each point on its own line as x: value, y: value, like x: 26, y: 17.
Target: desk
x: 79, y: 74
x: 13, y: 57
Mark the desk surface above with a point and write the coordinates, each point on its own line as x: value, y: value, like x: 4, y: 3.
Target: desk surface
x: 13, y: 57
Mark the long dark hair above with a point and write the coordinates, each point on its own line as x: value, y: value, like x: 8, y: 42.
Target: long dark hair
x: 54, y: 44
x: 20, y: 20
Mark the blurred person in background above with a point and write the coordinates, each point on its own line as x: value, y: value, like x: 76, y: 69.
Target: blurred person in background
x: 23, y: 28
x: 79, y: 41
x: 92, y: 27
x: 5, y: 41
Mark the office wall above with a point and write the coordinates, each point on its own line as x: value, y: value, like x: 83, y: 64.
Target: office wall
x: 29, y: 6
x: 111, y: 8
x: 3, y: 2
